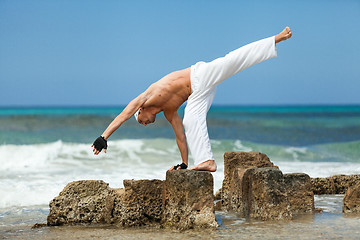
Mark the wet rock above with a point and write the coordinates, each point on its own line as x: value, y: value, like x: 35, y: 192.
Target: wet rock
x: 259, y: 193
x: 242, y: 160
x: 268, y: 195
x: 337, y: 184
x: 140, y: 204
x: 186, y: 202
x: 254, y: 187
x: 82, y: 202
x: 300, y: 195
x: 351, y: 202
x: 189, y: 200
x: 322, y: 186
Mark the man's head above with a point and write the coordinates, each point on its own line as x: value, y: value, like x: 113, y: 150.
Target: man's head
x: 144, y: 116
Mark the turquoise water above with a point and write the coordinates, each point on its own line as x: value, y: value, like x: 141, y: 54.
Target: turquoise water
x: 288, y: 126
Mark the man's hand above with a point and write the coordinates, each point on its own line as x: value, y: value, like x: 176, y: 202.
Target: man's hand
x: 99, y: 144
x: 178, y: 167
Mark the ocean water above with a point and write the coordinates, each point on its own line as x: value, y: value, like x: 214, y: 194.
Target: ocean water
x: 43, y: 149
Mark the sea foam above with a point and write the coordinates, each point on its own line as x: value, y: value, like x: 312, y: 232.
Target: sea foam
x: 34, y: 174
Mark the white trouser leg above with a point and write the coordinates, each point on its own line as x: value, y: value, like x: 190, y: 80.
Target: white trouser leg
x: 218, y: 70
x: 204, y: 78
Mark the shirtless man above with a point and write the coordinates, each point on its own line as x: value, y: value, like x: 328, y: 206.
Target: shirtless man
x: 197, y: 85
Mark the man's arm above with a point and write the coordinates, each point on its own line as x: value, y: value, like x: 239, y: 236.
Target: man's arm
x: 125, y: 115
x: 176, y: 123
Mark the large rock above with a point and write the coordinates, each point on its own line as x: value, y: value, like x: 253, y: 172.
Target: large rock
x: 242, y: 160
x: 140, y: 204
x: 337, y: 184
x: 189, y: 201
x: 259, y: 193
x: 299, y: 192
x: 268, y: 195
x: 351, y: 203
x: 186, y: 202
x: 254, y: 187
x: 82, y: 202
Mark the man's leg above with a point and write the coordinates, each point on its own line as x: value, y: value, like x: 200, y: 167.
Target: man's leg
x: 196, y: 130
x: 207, y: 76
x: 222, y: 68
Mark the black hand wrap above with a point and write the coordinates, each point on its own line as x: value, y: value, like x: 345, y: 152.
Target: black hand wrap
x: 182, y: 166
x: 100, y: 143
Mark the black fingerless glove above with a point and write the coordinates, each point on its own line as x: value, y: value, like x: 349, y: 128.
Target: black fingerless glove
x: 100, y: 143
x: 182, y: 166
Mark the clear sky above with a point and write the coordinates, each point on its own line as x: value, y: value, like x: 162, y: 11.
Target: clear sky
x: 85, y: 53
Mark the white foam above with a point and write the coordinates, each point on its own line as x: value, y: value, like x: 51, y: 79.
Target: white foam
x: 319, y: 169
x: 34, y: 174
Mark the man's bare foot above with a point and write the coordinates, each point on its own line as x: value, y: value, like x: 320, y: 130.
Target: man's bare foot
x: 285, y: 34
x: 209, y: 166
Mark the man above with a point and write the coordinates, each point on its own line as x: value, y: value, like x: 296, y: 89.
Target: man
x: 197, y: 86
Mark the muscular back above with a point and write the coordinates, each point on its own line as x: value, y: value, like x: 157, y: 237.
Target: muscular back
x: 170, y: 92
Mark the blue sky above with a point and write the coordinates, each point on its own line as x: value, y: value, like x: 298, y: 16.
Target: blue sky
x: 85, y: 53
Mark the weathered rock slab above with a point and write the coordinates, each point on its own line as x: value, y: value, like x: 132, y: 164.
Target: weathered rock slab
x: 188, y: 201
x: 140, y: 204
x: 268, y: 195
x: 254, y: 187
x: 337, y: 184
x: 242, y: 160
x: 299, y: 192
x: 351, y: 202
x: 82, y: 202
x: 259, y: 193
x: 183, y: 201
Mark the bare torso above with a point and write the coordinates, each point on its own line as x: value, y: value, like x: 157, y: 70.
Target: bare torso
x: 170, y: 92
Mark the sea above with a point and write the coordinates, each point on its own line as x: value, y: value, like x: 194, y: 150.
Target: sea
x: 42, y: 149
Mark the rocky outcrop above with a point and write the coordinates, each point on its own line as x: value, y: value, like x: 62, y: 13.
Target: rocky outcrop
x: 242, y: 160
x: 337, y: 184
x: 255, y: 191
x: 140, y: 204
x: 82, y: 202
x: 299, y: 193
x: 189, y: 201
x: 351, y: 202
x: 268, y: 198
x: 183, y: 201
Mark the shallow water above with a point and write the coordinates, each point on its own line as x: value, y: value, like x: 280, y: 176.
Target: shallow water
x: 331, y: 224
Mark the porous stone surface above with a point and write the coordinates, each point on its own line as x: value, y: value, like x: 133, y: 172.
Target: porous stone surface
x: 259, y: 193
x: 186, y: 202
x: 268, y: 195
x: 299, y: 192
x: 337, y: 184
x: 189, y: 200
x: 351, y: 202
x: 234, y: 160
x: 89, y: 201
x: 253, y: 187
x: 140, y: 204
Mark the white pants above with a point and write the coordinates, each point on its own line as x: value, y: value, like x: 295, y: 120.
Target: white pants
x: 204, y: 78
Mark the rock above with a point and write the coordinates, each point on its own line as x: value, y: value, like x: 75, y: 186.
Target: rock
x: 189, y: 200
x: 322, y: 186
x: 186, y: 202
x: 268, y: 195
x: 351, y: 203
x: 82, y: 202
x: 140, y: 204
x: 242, y: 160
x: 299, y: 193
x: 336, y: 184
x: 239, y: 192
x: 259, y: 193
